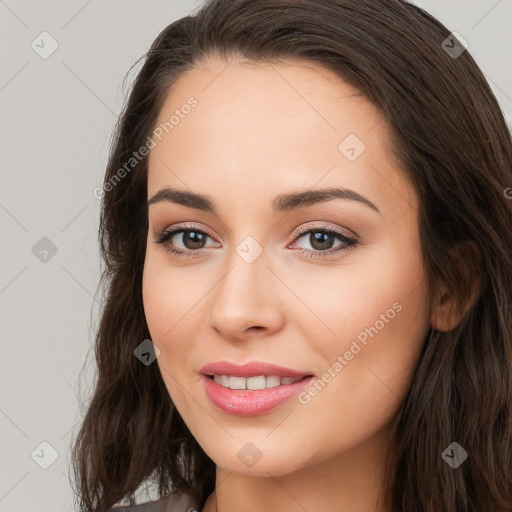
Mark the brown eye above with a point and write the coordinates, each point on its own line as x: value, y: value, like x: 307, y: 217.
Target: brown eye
x: 183, y: 241
x: 193, y: 239
x: 322, y: 240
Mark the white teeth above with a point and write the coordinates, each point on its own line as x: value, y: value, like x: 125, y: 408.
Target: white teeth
x: 237, y: 382
x: 273, y: 381
x: 254, y: 383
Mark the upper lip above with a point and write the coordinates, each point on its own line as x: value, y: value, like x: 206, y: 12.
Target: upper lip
x: 251, y: 369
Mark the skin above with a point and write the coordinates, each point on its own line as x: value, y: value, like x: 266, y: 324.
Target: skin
x: 260, y: 130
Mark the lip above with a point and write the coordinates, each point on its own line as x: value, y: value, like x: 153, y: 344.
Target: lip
x: 252, y: 369
x: 242, y: 402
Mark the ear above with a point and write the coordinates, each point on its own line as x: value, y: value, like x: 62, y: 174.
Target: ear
x: 448, y: 309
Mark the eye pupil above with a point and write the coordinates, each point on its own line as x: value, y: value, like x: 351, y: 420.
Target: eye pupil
x: 193, y: 238
x: 320, y: 238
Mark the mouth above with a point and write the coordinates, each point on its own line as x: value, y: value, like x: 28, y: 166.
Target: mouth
x: 252, y: 388
x: 254, y: 383
x: 254, y: 395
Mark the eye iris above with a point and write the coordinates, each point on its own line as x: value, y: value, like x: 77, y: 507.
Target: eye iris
x: 193, y: 240
x: 320, y: 238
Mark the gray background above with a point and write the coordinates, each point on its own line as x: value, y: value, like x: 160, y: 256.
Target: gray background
x: 57, y: 115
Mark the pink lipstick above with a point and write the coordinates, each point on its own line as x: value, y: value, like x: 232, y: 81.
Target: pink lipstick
x: 253, y: 388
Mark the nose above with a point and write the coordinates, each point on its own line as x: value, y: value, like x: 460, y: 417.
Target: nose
x: 247, y: 300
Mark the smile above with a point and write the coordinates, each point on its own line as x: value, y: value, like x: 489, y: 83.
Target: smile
x: 254, y: 383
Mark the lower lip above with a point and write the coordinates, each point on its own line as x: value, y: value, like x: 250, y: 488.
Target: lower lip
x: 242, y: 402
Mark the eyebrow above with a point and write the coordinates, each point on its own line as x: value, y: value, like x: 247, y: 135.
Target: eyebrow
x: 281, y: 203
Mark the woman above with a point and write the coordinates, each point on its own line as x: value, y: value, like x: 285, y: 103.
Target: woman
x: 306, y: 232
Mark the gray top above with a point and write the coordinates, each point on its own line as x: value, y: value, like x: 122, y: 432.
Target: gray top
x: 171, y: 503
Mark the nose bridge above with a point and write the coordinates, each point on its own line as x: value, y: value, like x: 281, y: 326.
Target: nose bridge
x: 244, y: 296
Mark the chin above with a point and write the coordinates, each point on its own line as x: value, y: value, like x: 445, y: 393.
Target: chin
x: 253, y: 459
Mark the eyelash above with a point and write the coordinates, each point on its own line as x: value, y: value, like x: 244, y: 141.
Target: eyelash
x: 350, y: 243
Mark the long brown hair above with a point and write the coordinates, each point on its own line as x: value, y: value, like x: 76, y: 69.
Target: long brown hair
x: 449, y: 136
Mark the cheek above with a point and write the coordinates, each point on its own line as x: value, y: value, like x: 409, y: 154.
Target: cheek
x: 169, y: 297
x: 157, y: 303
x: 173, y: 301
x: 380, y: 319
x: 377, y: 313
x: 379, y: 293
x: 163, y: 308
x: 370, y: 362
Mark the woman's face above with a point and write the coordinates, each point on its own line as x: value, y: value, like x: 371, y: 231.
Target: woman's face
x: 266, y: 280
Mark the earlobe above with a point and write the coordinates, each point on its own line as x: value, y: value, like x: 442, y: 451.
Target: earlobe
x: 448, y: 309
x: 445, y: 316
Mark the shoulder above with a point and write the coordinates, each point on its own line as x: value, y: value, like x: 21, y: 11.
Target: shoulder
x: 170, y: 503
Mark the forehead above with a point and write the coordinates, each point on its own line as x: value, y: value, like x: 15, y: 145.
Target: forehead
x: 268, y: 126
x: 248, y: 95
